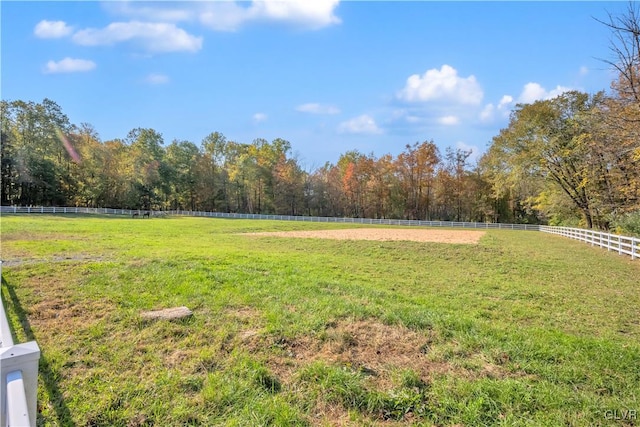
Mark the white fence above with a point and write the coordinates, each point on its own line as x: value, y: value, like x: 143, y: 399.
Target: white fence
x: 19, y: 363
x: 66, y: 210
x: 613, y: 242
x: 372, y: 221
x: 18, y: 377
x: 406, y: 222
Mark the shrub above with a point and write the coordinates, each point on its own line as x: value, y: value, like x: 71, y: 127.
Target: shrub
x: 628, y: 223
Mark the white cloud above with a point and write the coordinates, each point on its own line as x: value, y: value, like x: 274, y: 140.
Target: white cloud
x: 157, y: 79
x: 309, y: 14
x: 223, y: 16
x: 488, y: 113
x: 162, y: 11
x: 69, y: 65
x: 449, y: 120
x: 443, y: 84
x: 52, y: 29
x: 231, y: 15
x: 315, y: 108
x: 532, y: 92
x: 154, y: 37
x: 363, y: 124
x: 535, y: 92
x: 505, y: 102
x: 584, y: 70
x: 417, y: 118
x: 503, y: 109
x: 259, y: 117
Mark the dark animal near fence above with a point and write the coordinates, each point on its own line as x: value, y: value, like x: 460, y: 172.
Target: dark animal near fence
x: 135, y: 214
x: 147, y: 214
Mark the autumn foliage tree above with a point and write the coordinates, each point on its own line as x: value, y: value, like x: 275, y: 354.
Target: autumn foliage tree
x: 573, y: 159
x: 416, y: 167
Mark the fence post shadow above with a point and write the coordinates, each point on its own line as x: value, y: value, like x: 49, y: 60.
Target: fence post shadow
x: 46, y: 375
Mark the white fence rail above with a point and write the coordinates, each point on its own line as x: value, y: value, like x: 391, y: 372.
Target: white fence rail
x: 612, y: 242
x: 67, y: 210
x: 372, y: 221
x: 19, y: 363
x: 137, y: 212
x: 18, y: 377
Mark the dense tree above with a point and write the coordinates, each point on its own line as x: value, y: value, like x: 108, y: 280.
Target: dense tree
x: 574, y: 155
x: 35, y: 154
x: 182, y: 159
x: 416, y: 168
x: 548, y: 140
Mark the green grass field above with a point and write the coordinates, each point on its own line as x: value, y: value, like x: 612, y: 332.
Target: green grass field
x: 524, y: 328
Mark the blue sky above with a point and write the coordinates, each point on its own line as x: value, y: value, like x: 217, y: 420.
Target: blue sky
x: 327, y: 75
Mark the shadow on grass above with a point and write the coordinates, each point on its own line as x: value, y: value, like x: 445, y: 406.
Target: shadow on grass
x: 46, y: 375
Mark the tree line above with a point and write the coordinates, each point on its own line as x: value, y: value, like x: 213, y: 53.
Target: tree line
x: 46, y: 160
x: 575, y: 159
x: 570, y: 160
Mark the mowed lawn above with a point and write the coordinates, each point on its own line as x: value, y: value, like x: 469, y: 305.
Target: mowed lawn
x: 523, y: 328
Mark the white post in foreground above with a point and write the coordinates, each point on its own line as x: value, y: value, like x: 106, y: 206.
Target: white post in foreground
x: 18, y: 377
x: 19, y: 367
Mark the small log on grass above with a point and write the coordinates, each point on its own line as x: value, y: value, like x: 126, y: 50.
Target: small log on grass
x: 174, y: 313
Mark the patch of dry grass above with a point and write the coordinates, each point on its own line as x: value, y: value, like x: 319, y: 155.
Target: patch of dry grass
x: 520, y: 327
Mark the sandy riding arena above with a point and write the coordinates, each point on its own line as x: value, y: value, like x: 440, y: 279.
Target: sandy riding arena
x: 415, y: 235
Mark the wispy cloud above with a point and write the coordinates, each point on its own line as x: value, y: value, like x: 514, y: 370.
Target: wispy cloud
x: 69, y: 65
x: 153, y: 37
x: 442, y: 85
x: 535, y: 92
x: 259, y: 117
x: 52, y: 29
x: 449, y: 120
x: 152, y: 26
x: 231, y: 15
x: 363, y: 124
x: 490, y: 112
x: 314, y: 108
x: 157, y: 11
x: 157, y: 79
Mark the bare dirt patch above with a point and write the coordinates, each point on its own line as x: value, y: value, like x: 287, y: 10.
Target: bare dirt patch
x: 371, y: 347
x: 377, y: 350
x: 385, y: 234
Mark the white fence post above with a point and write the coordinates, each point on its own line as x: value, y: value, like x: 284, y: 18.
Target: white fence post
x: 588, y: 236
x: 19, y: 367
x: 604, y: 240
x: 18, y: 377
